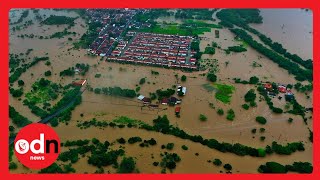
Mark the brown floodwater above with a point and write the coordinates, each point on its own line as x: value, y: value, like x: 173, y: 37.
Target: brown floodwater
x: 195, y: 102
x: 293, y: 28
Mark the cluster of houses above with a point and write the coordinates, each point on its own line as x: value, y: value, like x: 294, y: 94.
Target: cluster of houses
x: 114, y: 23
x: 281, y: 88
x: 156, y: 49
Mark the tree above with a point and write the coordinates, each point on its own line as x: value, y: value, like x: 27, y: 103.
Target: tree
x: 127, y: 165
x: 20, y: 82
x: 170, y: 146
x: 250, y: 96
x: 217, y: 162
x: 202, y: 117
x: 47, y: 73
x: 142, y: 81
x: 211, y: 77
x: 261, y: 120
x: 227, y: 167
x: 230, y: 115
x: 184, y: 147
x: 245, y: 106
x: 254, y: 80
x: 220, y: 111
x: 183, y: 78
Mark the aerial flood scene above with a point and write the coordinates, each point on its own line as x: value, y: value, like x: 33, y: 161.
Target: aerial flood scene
x: 165, y: 90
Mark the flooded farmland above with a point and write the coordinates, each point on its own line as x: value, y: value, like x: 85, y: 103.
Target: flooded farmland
x: 198, y: 100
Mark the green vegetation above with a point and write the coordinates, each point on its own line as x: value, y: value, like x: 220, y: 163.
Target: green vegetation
x: 17, y: 118
x: 202, y: 117
x: 59, y: 20
x: 116, y: 91
x: 127, y: 165
x: 209, y: 50
x: 236, y: 49
x: 261, y: 120
x: 310, y: 136
x: 253, y: 131
x: 162, y: 125
x: 264, y: 93
x: 224, y: 92
x: 227, y: 167
x: 303, y: 88
x: 17, y: 73
x: 250, y: 96
x: 165, y: 93
x: 262, y: 130
x: 83, y: 68
x: 24, y: 14
x: 170, y: 146
x: 252, y: 80
x: 13, y: 165
x: 211, y: 77
x: 88, y: 37
x: 176, y: 30
x: 169, y: 161
x: 183, y: 78
x: 42, y: 91
x: 184, y: 147
x: 97, y: 75
x: 262, y: 138
x: 154, y: 72
x: 220, y: 111
x: 274, y: 167
x: 142, y: 81
x: 201, y: 14
x: 245, y: 106
x: 16, y: 92
x: 230, y: 115
x: 217, y: 162
x: 133, y: 140
x: 20, y: 82
x: 47, y: 73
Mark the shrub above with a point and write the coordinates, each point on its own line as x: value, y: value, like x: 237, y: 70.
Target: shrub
x: 170, y: 146
x: 245, y: 106
x: 127, y: 165
x: 217, y: 162
x: 211, y: 77
x: 230, y: 115
x: 262, y: 138
x: 202, y: 117
x: 253, y: 80
x: 121, y: 140
x: 20, y: 82
x: 142, y: 81
x: 254, y: 130
x: 227, y: 167
x: 220, y: 111
x: 261, y: 120
x: 250, y: 96
x: 183, y: 78
x: 262, y: 130
x: 184, y: 147
x: 290, y: 120
x: 97, y: 75
x: 47, y: 73
x: 133, y: 140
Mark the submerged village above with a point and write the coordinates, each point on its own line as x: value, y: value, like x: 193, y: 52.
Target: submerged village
x: 163, y: 90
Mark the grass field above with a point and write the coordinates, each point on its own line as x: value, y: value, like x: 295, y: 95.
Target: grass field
x: 224, y: 92
x: 176, y: 30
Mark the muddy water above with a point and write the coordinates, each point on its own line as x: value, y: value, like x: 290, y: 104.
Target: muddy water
x: 196, y: 102
x: 293, y: 28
